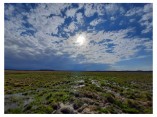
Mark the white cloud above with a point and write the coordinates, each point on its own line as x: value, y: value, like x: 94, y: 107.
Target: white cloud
x: 112, y: 18
x: 96, y: 22
x: 80, y: 5
x: 145, y: 12
x: 132, y: 20
x: 9, y: 11
x: 89, y: 10
x: 146, y: 16
x: 112, y: 9
x: 134, y: 11
x: 146, y: 19
x: 71, y: 12
x: 52, y: 8
x: 100, y: 9
x: 147, y: 25
x: 72, y: 27
x: 41, y: 20
x: 52, y: 25
x: 148, y: 45
x: 80, y: 18
x: 142, y: 56
x: 148, y: 8
x: 66, y: 30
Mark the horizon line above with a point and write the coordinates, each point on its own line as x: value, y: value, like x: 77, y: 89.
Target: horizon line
x: 81, y: 70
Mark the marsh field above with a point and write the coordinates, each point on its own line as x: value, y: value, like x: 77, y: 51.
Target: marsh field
x: 62, y: 92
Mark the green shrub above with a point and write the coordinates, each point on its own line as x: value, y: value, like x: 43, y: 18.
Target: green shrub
x: 77, y: 104
x: 110, y: 97
x: 55, y: 106
x: 28, y: 107
x: 44, y: 109
x: 103, y: 110
x: 131, y: 110
x: 15, y: 111
x: 49, y: 96
x: 102, y: 84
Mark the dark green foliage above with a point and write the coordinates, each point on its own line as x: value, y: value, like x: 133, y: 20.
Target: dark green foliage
x: 15, y: 111
x: 28, y: 107
x: 104, y: 110
x: 110, y: 98
x: 77, y: 104
x: 131, y: 110
x: 44, y: 109
x: 49, y: 96
x: 55, y: 106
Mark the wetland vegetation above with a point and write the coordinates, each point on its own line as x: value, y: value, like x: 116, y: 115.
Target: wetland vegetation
x: 61, y: 92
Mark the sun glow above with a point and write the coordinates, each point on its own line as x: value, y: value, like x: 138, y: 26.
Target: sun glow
x: 80, y: 40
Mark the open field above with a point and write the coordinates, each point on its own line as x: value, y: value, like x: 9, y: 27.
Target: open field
x: 78, y: 92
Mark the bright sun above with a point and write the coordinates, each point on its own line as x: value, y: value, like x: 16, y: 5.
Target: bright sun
x: 80, y: 40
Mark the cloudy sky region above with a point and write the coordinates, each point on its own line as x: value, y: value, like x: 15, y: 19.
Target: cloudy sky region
x: 78, y: 36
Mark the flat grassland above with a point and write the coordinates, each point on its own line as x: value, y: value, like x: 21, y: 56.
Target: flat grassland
x: 78, y: 92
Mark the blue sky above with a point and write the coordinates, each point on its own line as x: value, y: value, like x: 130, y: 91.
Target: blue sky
x: 45, y: 36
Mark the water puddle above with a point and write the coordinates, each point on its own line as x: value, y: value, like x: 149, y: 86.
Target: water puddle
x: 18, y: 100
x: 12, y: 105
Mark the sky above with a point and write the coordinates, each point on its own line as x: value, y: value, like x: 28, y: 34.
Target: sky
x: 81, y: 37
